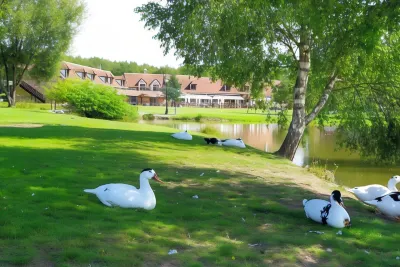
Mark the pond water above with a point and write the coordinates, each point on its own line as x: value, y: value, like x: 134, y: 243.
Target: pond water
x: 317, y: 145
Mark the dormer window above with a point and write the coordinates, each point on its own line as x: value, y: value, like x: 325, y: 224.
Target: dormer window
x: 155, y: 85
x: 80, y: 74
x: 90, y: 76
x: 193, y: 86
x: 102, y: 78
x: 64, y: 73
x: 142, y: 85
x: 247, y: 88
x: 119, y: 82
x: 225, y: 88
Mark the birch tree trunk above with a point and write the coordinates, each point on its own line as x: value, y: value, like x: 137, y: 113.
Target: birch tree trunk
x: 298, y: 124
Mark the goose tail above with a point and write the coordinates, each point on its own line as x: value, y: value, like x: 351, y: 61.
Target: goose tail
x: 304, y: 202
x: 91, y: 191
x: 207, y: 140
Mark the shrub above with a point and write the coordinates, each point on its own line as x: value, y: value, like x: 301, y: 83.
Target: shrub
x: 211, y: 131
x: 148, y: 117
x: 91, y: 100
x: 198, y: 118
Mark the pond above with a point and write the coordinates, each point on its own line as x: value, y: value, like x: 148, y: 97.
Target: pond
x: 317, y: 145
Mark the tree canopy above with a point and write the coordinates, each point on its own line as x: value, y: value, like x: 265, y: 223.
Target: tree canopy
x: 33, y: 37
x: 340, y: 56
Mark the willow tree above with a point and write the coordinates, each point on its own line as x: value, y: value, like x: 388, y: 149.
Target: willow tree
x: 33, y: 36
x: 326, y: 45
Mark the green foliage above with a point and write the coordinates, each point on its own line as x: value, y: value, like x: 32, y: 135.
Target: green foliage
x: 353, y: 51
x: 148, y: 117
x: 173, y: 89
x: 198, y: 118
x: 34, y: 39
x: 116, y: 67
x: 211, y: 131
x: 91, y: 100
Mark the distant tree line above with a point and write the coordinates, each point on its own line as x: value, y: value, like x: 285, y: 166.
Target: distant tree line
x: 121, y: 67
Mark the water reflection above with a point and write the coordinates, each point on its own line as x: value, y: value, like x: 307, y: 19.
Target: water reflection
x: 317, y: 145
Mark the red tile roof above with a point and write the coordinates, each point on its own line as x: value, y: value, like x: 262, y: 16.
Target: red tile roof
x: 132, y: 79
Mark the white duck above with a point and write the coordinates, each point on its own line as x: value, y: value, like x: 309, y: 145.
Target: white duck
x: 182, y: 135
x: 233, y: 142
x: 388, y: 204
x: 370, y: 192
x: 127, y: 196
x: 331, y: 213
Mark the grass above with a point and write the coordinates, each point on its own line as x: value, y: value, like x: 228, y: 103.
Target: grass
x: 245, y: 197
x: 212, y: 114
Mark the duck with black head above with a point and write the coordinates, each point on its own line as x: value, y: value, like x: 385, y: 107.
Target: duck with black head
x: 330, y: 212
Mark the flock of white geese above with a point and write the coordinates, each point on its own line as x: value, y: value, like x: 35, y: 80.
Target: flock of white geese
x: 332, y: 212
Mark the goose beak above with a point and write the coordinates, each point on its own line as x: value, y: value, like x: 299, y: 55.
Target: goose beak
x: 155, y: 177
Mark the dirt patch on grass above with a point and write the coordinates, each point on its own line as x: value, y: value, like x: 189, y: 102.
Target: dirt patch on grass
x: 21, y: 125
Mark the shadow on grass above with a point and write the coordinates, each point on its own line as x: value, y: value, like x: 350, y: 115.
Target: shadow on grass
x: 47, y: 219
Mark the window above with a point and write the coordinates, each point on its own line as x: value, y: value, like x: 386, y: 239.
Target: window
x: 225, y: 88
x: 156, y: 87
x: 247, y: 88
x: 64, y: 73
x: 193, y: 86
x: 90, y: 76
x: 119, y: 82
x: 80, y: 74
x: 142, y: 86
x: 102, y: 78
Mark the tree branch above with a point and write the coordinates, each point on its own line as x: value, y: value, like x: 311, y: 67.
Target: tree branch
x: 324, y: 98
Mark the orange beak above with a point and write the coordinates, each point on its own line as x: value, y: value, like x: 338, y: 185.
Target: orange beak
x: 155, y: 177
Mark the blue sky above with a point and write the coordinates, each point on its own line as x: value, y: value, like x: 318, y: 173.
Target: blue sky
x: 112, y: 30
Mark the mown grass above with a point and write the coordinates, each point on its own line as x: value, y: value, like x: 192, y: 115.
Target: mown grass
x: 213, y: 114
x: 245, y: 197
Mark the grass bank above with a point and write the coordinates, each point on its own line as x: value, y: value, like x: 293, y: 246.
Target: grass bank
x: 211, y: 114
x: 249, y: 210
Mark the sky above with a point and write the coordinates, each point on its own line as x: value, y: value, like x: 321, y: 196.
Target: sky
x: 111, y: 30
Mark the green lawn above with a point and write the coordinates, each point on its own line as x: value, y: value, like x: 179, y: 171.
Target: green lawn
x: 245, y: 197
x: 216, y: 114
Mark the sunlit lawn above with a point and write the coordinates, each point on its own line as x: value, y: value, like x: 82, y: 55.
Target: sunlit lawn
x: 225, y: 114
x: 248, y: 213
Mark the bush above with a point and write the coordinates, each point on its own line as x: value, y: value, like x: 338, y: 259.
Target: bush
x: 91, y: 100
x: 198, y: 118
x: 211, y: 131
x: 148, y: 117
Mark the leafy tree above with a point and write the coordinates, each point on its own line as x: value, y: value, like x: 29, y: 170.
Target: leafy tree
x: 35, y: 35
x: 330, y: 46
x: 172, y: 91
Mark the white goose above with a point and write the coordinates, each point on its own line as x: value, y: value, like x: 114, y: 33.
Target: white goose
x: 182, y: 135
x: 388, y: 204
x: 331, y: 213
x: 233, y: 142
x: 370, y: 192
x: 127, y: 196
